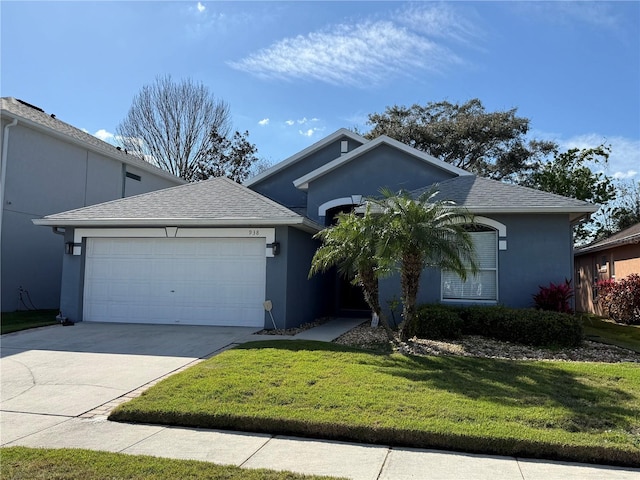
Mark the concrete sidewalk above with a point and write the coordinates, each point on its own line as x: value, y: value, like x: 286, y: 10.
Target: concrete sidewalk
x: 327, y: 332
x: 307, y: 456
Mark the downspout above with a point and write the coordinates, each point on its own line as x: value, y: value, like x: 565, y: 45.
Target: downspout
x: 3, y: 174
x: 5, y: 154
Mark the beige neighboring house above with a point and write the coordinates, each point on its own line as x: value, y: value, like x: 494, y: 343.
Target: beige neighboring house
x: 49, y: 166
x: 615, y: 257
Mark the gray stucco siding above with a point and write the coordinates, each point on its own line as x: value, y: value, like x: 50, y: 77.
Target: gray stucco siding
x: 279, y: 187
x: 148, y: 182
x: 31, y: 260
x: 366, y: 175
x: 296, y: 299
x: 44, y: 175
x: 276, y: 282
x: 72, y: 287
x: 539, y: 251
x: 306, y: 300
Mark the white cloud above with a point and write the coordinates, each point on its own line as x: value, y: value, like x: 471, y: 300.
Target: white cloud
x: 310, y: 132
x: 598, y: 14
x: 103, y: 135
x: 290, y: 122
x: 200, y: 7
x: 362, y: 54
x: 305, y: 120
x: 440, y: 20
x: 625, y: 175
x: 263, y: 122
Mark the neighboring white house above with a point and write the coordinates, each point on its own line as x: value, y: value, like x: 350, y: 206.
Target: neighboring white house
x: 49, y: 166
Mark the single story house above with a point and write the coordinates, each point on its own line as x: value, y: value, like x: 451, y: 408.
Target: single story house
x: 614, y: 257
x: 213, y: 252
x: 49, y: 166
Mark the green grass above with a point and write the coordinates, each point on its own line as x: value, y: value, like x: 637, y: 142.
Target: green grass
x: 22, y: 320
x: 586, y: 412
x: 607, y: 331
x: 52, y: 464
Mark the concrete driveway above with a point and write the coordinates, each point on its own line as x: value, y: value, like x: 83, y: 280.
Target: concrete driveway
x: 58, y: 372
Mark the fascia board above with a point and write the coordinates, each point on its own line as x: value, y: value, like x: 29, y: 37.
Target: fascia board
x: 307, y: 151
x: 532, y: 209
x: 302, y: 183
x: 178, y: 222
x: 125, y: 158
x: 604, y: 245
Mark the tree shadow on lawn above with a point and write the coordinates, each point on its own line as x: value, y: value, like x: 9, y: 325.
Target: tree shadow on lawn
x: 521, y: 384
x: 505, y: 382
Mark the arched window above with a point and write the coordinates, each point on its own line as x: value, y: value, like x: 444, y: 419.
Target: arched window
x: 483, y: 286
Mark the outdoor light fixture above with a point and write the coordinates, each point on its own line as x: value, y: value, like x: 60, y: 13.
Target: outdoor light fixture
x: 69, y: 246
x: 275, y: 248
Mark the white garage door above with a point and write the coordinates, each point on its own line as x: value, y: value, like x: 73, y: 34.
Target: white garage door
x: 191, y: 281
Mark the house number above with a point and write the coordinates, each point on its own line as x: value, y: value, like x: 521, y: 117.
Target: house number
x: 254, y: 233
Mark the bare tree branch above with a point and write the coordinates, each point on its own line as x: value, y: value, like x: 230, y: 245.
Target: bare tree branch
x: 169, y: 124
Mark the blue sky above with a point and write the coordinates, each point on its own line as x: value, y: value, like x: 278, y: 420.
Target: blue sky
x: 294, y: 72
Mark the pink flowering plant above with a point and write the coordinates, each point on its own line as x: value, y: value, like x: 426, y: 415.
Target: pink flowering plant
x: 620, y: 299
x: 556, y: 297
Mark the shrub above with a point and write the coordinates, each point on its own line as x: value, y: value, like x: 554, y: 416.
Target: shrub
x: 555, y: 297
x: 526, y: 326
x: 621, y: 299
x: 436, y: 322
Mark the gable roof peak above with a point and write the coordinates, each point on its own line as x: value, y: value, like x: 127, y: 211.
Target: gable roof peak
x: 320, y: 144
x: 303, y: 182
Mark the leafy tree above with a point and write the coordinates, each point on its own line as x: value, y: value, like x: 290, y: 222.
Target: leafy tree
x: 178, y: 126
x: 419, y: 233
x: 569, y: 174
x: 489, y: 144
x: 627, y: 212
x: 350, y: 245
x: 232, y: 158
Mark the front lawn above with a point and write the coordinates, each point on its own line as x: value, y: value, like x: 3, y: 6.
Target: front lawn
x: 72, y: 464
x: 22, y: 320
x: 587, y: 412
x: 607, y: 331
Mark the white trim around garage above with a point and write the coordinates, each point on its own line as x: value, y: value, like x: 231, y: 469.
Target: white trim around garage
x: 269, y: 234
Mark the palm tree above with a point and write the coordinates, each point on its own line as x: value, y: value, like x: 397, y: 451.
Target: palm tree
x: 350, y: 245
x: 419, y: 233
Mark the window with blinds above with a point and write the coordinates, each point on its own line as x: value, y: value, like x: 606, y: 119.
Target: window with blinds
x: 484, y: 284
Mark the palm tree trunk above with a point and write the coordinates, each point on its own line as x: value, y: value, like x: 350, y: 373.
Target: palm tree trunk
x: 371, y: 291
x: 410, y: 270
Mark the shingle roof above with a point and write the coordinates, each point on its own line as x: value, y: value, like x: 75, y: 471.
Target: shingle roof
x: 35, y: 116
x: 481, y: 195
x: 216, y: 202
x: 627, y: 236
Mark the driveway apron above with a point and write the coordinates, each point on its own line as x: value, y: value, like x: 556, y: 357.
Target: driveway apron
x: 67, y: 371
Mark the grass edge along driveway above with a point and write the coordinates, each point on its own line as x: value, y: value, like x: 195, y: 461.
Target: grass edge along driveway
x: 585, y: 412
x: 22, y: 462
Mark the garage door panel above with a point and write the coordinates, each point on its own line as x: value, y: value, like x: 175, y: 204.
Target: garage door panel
x: 200, y: 281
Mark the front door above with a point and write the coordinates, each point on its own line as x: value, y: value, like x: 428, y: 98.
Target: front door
x: 350, y: 300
